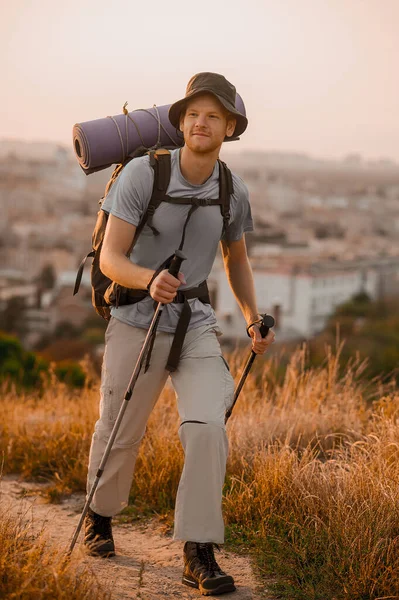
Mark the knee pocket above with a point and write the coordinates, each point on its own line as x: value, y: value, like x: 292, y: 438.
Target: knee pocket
x: 111, y: 398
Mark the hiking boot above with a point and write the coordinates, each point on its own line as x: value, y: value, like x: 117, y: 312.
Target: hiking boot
x: 201, y: 570
x: 98, y: 535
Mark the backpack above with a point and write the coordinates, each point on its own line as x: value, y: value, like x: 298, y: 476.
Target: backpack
x: 106, y: 293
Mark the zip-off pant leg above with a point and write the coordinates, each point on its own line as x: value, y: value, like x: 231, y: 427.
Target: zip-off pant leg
x: 204, y: 388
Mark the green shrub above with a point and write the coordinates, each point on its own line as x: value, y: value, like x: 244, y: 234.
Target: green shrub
x: 29, y: 370
x: 16, y: 364
x: 71, y: 373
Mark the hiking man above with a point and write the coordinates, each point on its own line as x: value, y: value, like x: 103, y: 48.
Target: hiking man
x: 204, y: 387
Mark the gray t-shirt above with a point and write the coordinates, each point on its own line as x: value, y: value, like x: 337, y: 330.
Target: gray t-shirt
x: 128, y: 199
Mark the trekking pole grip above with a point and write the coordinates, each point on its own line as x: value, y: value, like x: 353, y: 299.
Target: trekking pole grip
x: 176, y: 263
x: 267, y: 323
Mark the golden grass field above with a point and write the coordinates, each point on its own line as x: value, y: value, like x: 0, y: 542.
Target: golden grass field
x: 312, y: 488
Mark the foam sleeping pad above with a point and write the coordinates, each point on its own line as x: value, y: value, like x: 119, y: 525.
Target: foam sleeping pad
x: 100, y: 143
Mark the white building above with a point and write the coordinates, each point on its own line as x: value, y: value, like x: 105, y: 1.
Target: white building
x: 304, y: 296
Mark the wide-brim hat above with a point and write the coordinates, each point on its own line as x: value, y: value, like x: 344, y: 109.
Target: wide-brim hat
x: 218, y: 86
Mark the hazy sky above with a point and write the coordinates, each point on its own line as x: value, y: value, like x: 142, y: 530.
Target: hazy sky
x: 319, y: 76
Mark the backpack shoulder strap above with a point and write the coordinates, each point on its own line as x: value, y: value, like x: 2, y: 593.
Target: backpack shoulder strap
x: 226, y: 188
x: 160, y: 161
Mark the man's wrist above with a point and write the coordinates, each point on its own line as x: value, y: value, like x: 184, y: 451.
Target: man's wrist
x: 253, y: 318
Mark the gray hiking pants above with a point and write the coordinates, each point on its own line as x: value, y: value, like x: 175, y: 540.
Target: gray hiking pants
x: 204, y: 390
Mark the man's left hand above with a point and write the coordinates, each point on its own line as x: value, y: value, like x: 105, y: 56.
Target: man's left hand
x: 260, y: 344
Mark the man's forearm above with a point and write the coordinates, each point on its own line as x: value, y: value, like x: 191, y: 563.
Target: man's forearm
x: 120, y: 268
x: 240, y: 277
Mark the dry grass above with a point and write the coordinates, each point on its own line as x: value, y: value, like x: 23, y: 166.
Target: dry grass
x: 313, y: 473
x: 47, y: 437
x: 30, y: 569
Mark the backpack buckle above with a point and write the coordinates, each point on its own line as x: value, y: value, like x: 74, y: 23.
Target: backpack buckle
x: 179, y: 298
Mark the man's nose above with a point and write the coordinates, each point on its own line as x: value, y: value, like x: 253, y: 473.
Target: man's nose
x: 200, y: 121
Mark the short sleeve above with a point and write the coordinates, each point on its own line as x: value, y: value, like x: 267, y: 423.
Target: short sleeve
x: 128, y: 198
x: 240, y: 209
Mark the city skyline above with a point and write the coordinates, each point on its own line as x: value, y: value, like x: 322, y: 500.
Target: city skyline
x: 318, y: 78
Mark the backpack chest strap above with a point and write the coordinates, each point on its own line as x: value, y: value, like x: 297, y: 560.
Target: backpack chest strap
x: 160, y: 161
x: 193, y: 201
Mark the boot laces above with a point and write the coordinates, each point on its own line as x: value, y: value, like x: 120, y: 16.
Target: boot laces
x: 207, y: 556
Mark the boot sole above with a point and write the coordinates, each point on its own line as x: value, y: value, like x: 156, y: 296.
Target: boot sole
x: 100, y: 550
x: 102, y: 555
x: 223, y: 588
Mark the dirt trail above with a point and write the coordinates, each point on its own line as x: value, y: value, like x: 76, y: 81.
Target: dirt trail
x: 148, y: 565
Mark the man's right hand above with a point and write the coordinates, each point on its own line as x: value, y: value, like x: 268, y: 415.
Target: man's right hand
x: 164, y: 287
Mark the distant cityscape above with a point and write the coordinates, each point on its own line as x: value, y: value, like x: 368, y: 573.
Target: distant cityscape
x: 325, y: 230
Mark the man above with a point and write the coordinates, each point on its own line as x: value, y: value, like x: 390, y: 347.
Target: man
x: 206, y: 116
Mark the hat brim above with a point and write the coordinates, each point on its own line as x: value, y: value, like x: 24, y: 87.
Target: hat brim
x: 176, y: 109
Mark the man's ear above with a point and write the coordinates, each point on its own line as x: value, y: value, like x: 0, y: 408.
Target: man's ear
x: 230, y: 127
x: 181, y: 120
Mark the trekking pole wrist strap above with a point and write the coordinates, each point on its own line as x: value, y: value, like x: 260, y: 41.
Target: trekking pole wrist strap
x: 156, y: 273
x: 257, y: 321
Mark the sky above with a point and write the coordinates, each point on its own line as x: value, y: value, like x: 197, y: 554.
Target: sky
x: 316, y: 76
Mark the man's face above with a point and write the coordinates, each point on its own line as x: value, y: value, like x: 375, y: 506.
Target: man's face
x: 205, y: 124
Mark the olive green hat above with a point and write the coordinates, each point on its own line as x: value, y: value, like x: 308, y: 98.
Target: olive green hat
x: 218, y: 86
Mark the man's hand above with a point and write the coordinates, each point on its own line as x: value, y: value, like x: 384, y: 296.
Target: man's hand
x: 164, y: 287
x: 260, y: 344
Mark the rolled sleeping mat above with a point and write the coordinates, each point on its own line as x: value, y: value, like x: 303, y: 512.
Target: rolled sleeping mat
x: 103, y: 142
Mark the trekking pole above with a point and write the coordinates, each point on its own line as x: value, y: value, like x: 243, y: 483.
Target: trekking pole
x: 173, y: 270
x: 267, y: 323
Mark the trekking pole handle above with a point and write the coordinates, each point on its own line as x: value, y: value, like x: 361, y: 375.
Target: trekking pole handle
x: 176, y: 263
x: 267, y: 323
